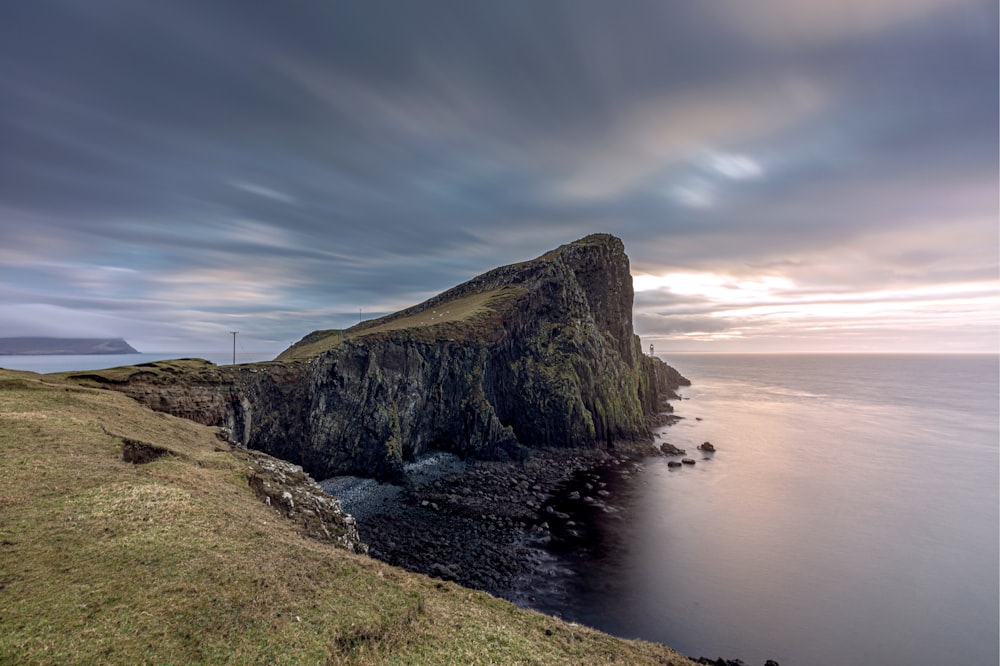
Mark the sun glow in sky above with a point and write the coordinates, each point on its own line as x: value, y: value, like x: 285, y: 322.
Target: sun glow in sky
x: 758, y: 311
x: 786, y: 176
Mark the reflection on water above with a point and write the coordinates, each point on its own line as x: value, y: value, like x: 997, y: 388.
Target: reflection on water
x: 850, y: 515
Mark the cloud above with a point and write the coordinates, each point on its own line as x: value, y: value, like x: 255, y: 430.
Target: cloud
x: 183, y: 167
x: 733, y: 166
x: 820, y: 22
x: 262, y: 191
x: 657, y: 134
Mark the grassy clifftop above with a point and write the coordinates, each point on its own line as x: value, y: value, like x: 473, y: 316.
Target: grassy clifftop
x: 176, y: 561
x: 445, y: 315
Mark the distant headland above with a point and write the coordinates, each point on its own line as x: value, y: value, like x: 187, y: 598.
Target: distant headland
x: 63, y: 346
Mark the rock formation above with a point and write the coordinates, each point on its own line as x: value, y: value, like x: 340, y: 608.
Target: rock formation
x: 536, y: 354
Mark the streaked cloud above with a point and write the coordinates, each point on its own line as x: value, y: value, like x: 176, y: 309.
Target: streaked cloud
x: 733, y: 166
x: 262, y: 191
x: 784, y: 174
x: 660, y: 133
x: 820, y: 22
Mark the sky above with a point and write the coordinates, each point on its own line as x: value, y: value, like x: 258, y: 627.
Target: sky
x: 786, y: 176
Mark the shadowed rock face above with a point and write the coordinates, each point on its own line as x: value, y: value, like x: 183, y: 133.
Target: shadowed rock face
x: 536, y: 354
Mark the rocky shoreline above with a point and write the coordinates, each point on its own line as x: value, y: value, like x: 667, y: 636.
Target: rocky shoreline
x: 509, y: 528
x: 485, y: 524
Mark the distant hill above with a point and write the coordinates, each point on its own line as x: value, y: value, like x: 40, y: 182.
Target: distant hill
x: 73, y: 346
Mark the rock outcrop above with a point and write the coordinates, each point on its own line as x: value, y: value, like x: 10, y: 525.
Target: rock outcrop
x: 296, y: 496
x: 536, y: 354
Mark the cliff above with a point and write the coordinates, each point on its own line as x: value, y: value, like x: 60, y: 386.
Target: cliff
x: 129, y: 536
x: 63, y: 346
x: 536, y: 354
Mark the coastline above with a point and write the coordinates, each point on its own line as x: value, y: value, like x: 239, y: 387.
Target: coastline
x: 487, y: 525
x: 519, y: 530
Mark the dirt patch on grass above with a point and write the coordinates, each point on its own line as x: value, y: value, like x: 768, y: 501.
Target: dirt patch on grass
x: 141, y: 453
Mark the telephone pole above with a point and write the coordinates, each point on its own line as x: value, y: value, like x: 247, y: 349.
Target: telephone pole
x: 234, y: 345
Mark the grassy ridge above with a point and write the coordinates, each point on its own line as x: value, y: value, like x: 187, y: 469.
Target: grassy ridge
x: 176, y: 561
x: 450, y: 314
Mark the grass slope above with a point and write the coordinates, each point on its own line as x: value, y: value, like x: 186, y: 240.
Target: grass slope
x: 176, y: 562
x: 446, y: 316
x: 154, y: 372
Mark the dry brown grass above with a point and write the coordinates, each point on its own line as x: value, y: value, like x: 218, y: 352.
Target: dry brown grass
x: 176, y: 562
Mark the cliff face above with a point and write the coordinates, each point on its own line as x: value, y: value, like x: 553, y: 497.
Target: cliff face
x: 536, y: 354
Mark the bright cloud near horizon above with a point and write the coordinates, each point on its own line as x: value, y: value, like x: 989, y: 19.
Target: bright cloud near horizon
x: 786, y: 176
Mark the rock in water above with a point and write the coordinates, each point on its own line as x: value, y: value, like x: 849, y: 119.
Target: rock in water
x: 536, y: 354
x: 670, y: 450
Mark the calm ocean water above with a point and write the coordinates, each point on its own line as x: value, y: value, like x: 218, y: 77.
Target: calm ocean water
x: 850, y: 516
x: 67, y: 363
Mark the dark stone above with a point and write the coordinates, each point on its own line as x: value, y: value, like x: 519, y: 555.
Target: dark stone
x: 671, y: 450
x: 673, y: 463
x: 688, y: 461
x: 707, y: 447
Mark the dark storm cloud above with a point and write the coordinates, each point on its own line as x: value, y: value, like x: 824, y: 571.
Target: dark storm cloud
x: 288, y: 163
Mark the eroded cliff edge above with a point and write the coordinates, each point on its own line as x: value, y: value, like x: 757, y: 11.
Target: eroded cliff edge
x: 536, y: 354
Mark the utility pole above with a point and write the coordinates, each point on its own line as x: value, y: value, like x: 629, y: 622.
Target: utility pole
x: 234, y: 345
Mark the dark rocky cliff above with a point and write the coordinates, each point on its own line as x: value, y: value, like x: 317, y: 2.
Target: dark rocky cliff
x: 536, y: 354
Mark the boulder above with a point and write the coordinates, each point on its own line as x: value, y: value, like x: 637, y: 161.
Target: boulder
x: 670, y: 450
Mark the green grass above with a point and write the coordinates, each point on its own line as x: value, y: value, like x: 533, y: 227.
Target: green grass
x: 176, y: 562
x: 156, y: 372
x: 454, y: 317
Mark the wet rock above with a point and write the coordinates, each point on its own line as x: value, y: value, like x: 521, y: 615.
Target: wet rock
x: 670, y: 450
x: 484, y: 529
x: 688, y: 461
x: 707, y: 447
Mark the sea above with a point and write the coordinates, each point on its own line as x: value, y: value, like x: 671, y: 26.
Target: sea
x: 69, y: 362
x: 848, y: 516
